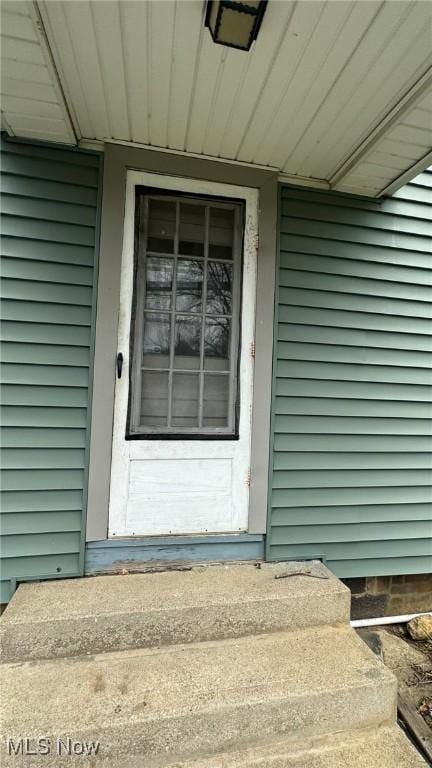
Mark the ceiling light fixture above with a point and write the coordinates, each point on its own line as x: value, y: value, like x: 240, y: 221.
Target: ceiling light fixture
x: 235, y: 24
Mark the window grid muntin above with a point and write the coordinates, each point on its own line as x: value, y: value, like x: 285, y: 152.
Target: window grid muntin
x: 141, y: 312
x: 203, y: 323
x: 173, y: 309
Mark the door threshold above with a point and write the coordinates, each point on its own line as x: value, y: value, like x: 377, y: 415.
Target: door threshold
x: 117, y: 554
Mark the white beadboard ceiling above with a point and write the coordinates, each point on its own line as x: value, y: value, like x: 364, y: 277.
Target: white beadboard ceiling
x: 332, y: 93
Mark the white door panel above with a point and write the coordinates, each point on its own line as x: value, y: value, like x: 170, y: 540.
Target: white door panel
x: 183, y: 493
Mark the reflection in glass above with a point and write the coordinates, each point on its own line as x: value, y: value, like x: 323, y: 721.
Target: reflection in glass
x: 159, y: 275
x: 217, y: 343
x: 215, y: 403
x: 161, y: 226
x: 189, y: 286
x: 192, y: 229
x: 221, y: 233
x: 186, y: 331
x: 187, y: 342
x: 156, y: 340
x: 219, y: 288
x: 185, y: 396
x: 154, y: 398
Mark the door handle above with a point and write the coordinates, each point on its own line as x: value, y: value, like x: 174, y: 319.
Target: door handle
x: 119, y: 365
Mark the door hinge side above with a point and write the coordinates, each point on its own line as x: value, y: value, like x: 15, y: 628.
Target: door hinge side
x: 252, y: 348
x: 248, y: 478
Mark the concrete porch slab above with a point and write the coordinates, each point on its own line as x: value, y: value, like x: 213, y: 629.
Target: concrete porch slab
x: 111, y: 613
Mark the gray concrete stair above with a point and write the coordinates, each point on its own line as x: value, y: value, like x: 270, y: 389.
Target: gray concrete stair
x: 110, y: 613
x: 384, y: 747
x: 174, y: 702
x: 215, y: 667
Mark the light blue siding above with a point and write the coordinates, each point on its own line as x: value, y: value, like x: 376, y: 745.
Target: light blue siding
x: 50, y: 230
x: 351, y: 470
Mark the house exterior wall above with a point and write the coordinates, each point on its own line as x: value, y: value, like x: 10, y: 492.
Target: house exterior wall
x: 350, y: 437
x: 351, y: 405
x: 49, y: 264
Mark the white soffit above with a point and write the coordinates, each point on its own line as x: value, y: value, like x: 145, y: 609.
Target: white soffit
x: 318, y: 95
x: 31, y: 98
x: 401, y: 151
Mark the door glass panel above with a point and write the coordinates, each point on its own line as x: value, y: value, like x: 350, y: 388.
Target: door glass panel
x: 191, y: 229
x: 159, y: 276
x: 184, y: 360
x: 185, y: 397
x: 219, y: 288
x: 215, y: 402
x: 161, y: 226
x: 217, y: 343
x: 156, y: 340
x: 154, y: 398
x: 189, y: 286
x: 221, y: 233
x: 187, y: 342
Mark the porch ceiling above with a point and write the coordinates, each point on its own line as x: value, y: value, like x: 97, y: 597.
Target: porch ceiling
x: 334, y: 94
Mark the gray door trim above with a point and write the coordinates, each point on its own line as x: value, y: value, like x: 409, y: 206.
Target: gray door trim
x: 118, y: 160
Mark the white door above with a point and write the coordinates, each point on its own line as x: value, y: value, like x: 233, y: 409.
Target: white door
x: 183, y: 399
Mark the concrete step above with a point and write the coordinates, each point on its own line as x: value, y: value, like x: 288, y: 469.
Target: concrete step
x: 92, y: 615
x: 385, y: 747
x: 176, y: 702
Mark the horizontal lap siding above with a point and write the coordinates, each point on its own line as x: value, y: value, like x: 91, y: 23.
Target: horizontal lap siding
x: 351, y: 409
x: 49, y: 233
